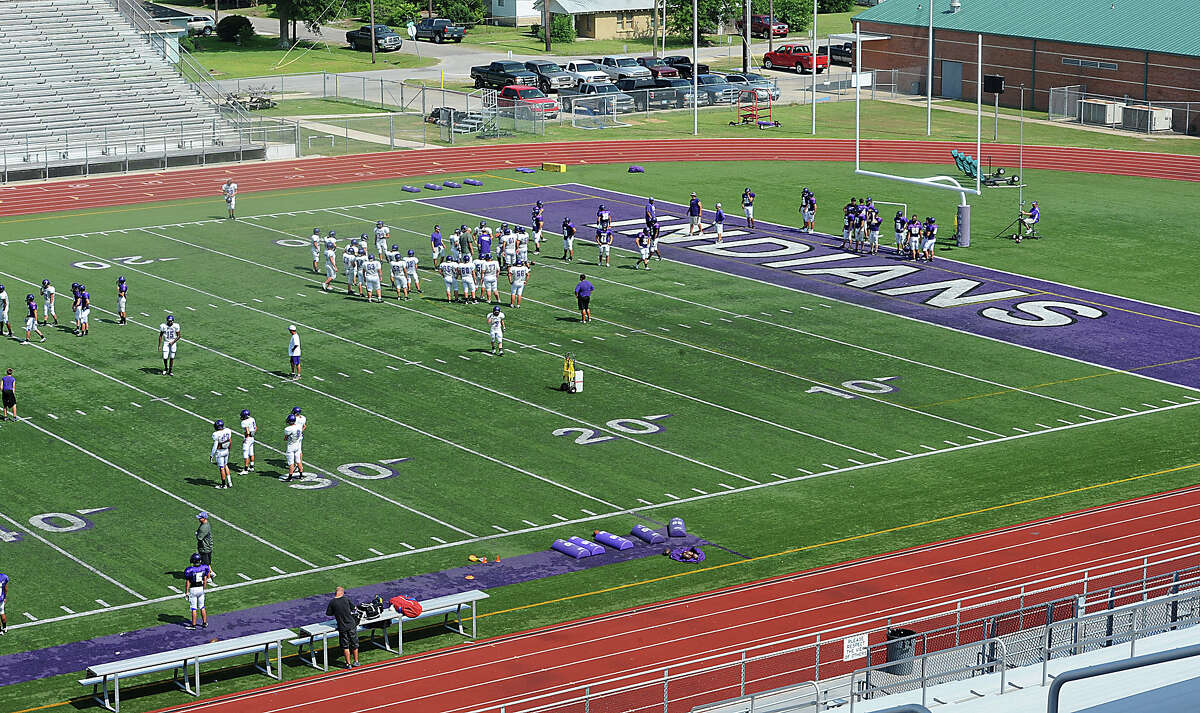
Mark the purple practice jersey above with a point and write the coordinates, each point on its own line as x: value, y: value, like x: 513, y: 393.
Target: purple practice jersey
x: 485, y: 243
x: 436, y: 238
x: 122, y: 289
x: 85, y: 299
x: 196, y: 574
x: 32, y: 308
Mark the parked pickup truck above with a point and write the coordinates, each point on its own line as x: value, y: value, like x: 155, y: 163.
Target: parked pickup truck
x: 586, y: 72
x: 658, y: 68
x: 439, y: 29
x: 842, y: 54
x: 502, y: 73
x: 609, y: 96
x: 385, y: 38
x: 718, y: 90
x: 760, y: 25
x: 684, y: 64
x: 797, y: 57
x: 763, y: 88
x: 647, y: 94
x: 683, y: 91
x: 532, y: 98
x: 620, y: 67
x: 550, y: 76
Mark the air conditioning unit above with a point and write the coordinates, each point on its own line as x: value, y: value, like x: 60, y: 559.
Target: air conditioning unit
x: 1147, y: 118
x: 1100, y: 112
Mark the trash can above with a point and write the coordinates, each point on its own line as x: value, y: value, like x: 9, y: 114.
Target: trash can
x: 901, y: 645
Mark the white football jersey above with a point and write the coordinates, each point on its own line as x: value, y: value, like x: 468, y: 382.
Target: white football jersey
x: 522, y: 241
x: 449, y: 269
x: 465, y: 270
x: 371, y: 268
x: 491, y: 268
x: 249, y: 426
x: 495, y: 320
x: 348, y: 258
x: 302, y: 422
x: 519, y: 274
x: 477, y: 265
x: 410, y: 264
x: 397, y: 265
x: 331, y: 255
x: 509, y: 242
x: 292, y: 436
x: 317, y: 242
x: 47, y: 292
x: 222, y: 438
x: 382, y: 233
x: 170, y: 332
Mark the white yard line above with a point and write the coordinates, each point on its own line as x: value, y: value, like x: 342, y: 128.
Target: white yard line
x: 30, y: 532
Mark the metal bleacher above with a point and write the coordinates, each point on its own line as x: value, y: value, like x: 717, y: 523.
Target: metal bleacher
x: 86, y: 84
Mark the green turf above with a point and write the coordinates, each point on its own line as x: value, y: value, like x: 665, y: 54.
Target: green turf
x: 223, y: 286
x: 319, y: 107
x: 261, y: 57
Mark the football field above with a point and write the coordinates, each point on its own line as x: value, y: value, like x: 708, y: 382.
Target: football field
x: 771, y: 413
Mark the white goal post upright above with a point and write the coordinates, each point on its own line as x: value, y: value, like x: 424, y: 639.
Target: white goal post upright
x: 946, y: 183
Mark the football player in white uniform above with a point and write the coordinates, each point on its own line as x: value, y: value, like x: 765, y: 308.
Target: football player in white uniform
x: 491, y: 278
x: 4, y: 312
x: 382, y: 234
x: 496, y: 329
x: 396, y: 272
x: 293, y: 435
x: 48, y: 303
x: 168, y: 338
x: 466, y: 276
x: 349, y: 255
x: 518, y: 276
x: 522, y: 244
x: 249, y: 430
x: 360, y: 264
x: 229, y: 190
x: 604, y: 241
x: 318, y: 250
x: 372, y: 277
x: 222, y: 437
x: 330, y: 264
x: 410, y: 267
x: 508, y: 244
x: 477, y: 274
x: 449, y: 270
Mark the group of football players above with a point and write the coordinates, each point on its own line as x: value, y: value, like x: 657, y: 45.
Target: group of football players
x: 81, y: 307
x: 295, y: 424
x: 861, y: 222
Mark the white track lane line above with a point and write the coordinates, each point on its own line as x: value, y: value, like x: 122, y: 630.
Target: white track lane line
x: 30, y: 531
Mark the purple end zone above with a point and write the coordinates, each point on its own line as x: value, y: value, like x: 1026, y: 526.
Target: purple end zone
x: 1105, y: 330
x: 76, y: 656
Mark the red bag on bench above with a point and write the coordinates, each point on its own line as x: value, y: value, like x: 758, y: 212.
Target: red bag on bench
x: 407, y: 607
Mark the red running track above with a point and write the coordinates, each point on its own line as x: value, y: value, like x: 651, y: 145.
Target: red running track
x: 83, y: 193
x: 920, y: 583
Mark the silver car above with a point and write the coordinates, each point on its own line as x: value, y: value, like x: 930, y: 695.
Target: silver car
x: 763, y: 88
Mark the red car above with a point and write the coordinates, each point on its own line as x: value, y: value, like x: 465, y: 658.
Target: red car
x: 658, y: 68
x: 531, y: 97
x: 797, y: 57
x: 760, y: 25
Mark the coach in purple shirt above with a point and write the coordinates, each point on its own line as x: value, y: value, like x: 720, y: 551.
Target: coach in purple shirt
x: 583, y: 293
x: 8, y: 392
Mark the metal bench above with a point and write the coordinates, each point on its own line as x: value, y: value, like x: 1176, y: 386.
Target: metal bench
x: 100, y: 676
x: 445, y: 607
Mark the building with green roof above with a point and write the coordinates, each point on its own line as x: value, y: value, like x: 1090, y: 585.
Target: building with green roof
x: 1132, y: 51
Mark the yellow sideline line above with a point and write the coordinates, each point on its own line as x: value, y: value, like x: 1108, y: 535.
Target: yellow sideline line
x: 793, y: 550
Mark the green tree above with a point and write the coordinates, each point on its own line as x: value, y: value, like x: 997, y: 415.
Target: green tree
x: 387, y: 12
x: 796, y: 13
x: 233, y: 27
x: 462, y: 12
x: 835, y: 5
x: 562, y: 29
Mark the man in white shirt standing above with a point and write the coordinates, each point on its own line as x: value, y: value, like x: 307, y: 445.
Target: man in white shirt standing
x: 249, y: 430
x: 222, y: 437
x: 4, y: 312
x: 294, y: 350
x: 168, y: 337
x: 229, y: 190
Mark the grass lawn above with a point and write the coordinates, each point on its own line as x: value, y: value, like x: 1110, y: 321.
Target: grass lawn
x: 236, y: 285
x: 316, y: 107
x: 261, y: 57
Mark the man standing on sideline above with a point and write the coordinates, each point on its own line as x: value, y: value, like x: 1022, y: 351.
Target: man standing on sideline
x: 342, y: 611
x: 204, y: 543
x: 122, y: 292
x: 294, y: 351
x: 719, y: 222
x: 583, y: 294
x: 3, y: 598
x: 748, y: 206
x: 8, y: 394
x: 229, y: 190
x: 694, y: 210
x: 249, y: 431
x: 196, y: 578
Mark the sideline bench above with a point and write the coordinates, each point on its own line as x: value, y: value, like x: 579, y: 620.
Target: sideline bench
x: 445, y: 607
x: 179, y: 660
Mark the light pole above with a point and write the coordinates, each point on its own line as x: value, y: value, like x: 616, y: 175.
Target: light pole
x: 929, y: 78
x: 695, y: 78
x: 1021, y: 156
x: 746, y: 36
x: 546, y: 22
x: 813, y: 47
x: 771, y: 25
x: 372, y: 32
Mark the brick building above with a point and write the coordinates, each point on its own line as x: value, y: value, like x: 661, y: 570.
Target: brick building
x: 1131, y: 50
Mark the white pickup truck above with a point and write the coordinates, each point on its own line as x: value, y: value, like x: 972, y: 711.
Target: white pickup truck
x: 586, y: 72
x: 621, y: 67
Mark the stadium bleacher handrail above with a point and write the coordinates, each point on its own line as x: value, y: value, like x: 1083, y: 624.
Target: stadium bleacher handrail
x: 1079, y: 674
x: 982, y: 665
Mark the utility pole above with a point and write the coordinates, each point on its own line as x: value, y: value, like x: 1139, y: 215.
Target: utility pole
x: 654, y: 32
x: 546, y: 22
x: 771, y: 26
x: 216, y: 11
x: 372, y: 31
x: 745, y: 36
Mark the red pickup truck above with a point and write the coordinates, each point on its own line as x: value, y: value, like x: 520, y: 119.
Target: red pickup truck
x: 797, y: 57
x: 531, y: 97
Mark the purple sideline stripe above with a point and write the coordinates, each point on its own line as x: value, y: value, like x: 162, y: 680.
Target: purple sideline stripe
x: 1116, y: 332
x: 75, y: 657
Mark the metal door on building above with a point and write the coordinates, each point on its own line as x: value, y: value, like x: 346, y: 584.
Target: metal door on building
x: 952, y: 79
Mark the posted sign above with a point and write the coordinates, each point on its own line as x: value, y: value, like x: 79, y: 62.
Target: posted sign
x: 854, y: 647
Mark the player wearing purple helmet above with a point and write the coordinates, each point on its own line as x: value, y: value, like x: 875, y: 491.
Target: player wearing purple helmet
x: 168, y: 338
x: 495, y: 321
x: 122, y: 293
x: 222, y: 437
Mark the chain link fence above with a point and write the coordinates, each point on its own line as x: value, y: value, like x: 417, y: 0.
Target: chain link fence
x: 1074, y: 104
